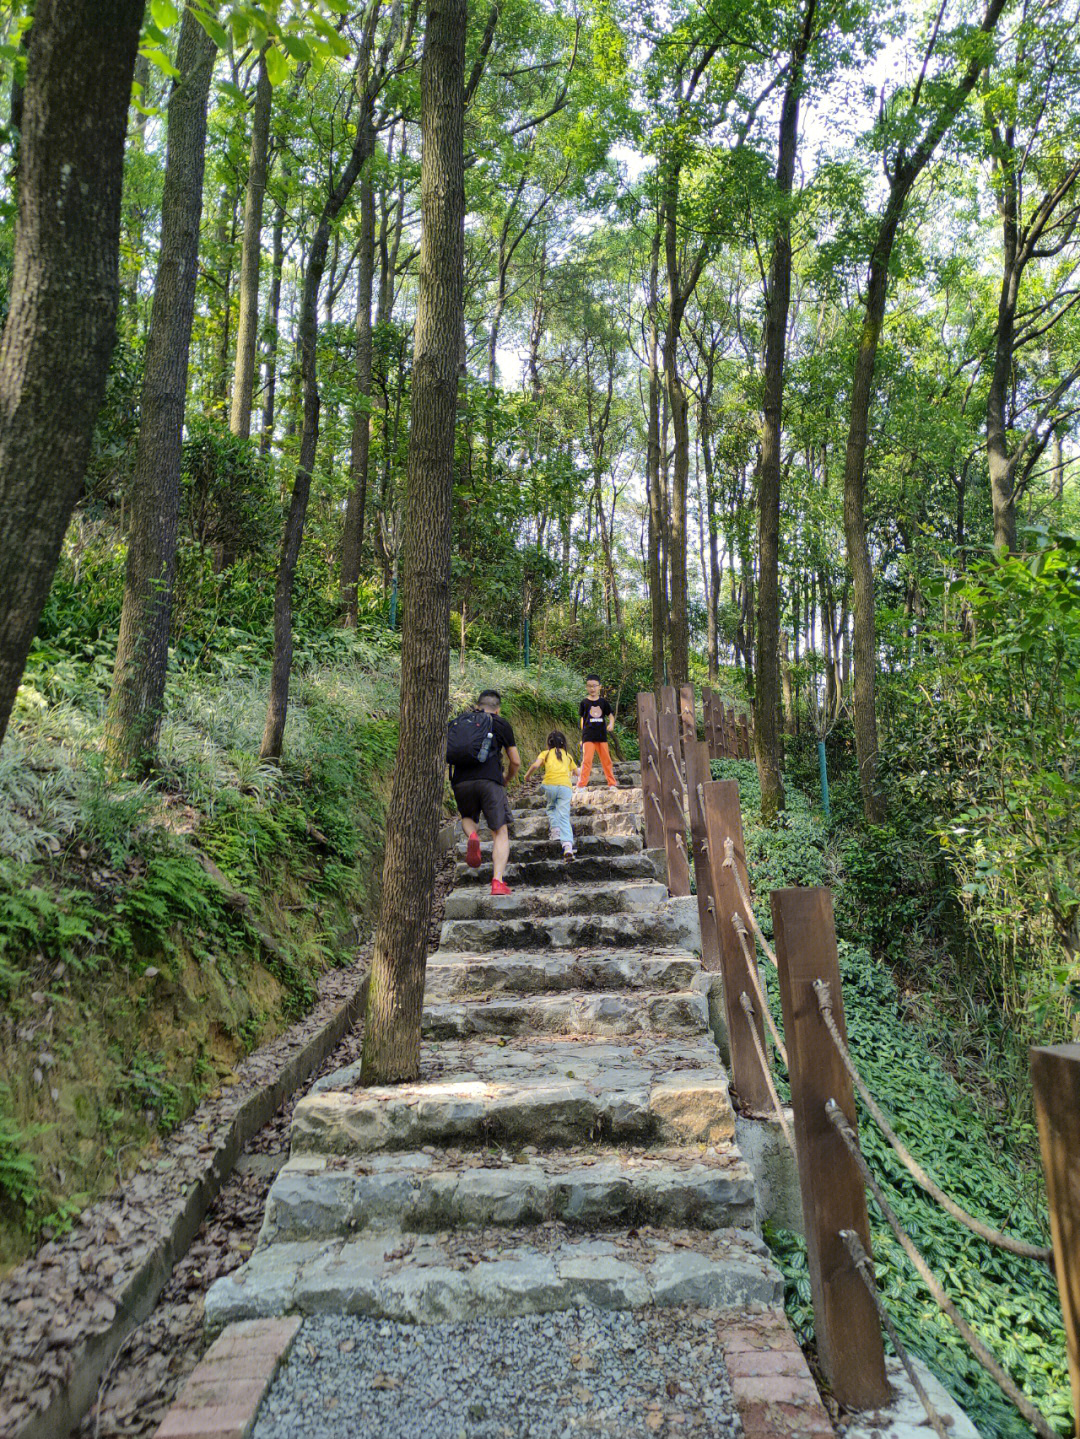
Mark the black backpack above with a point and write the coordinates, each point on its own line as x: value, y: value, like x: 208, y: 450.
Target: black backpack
x: 470, y: 738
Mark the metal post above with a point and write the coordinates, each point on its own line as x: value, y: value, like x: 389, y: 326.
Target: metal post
x: 649, y: 743
x: 845, y: 1319
x: 723, y: 821
x: 1055, y: 1076
x: 823, y: 768
x: 671, y: 785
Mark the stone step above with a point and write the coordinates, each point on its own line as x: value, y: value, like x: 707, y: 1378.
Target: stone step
x: 550, y: 1092
x: 627, y: 1013
x: 596, y: 799
x: 634, y: 896
x: 314, y: 1197
x: 671, y: 925
x: 443, y: 1277
x: 452, y: 974
x: 540, y: 843
x: 529, y: 826
x: 583, y: 869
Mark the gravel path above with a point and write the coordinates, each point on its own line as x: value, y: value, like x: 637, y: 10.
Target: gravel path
x: 544, y: 1376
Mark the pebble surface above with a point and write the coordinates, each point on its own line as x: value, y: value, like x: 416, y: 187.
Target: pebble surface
x: 543, y: 1376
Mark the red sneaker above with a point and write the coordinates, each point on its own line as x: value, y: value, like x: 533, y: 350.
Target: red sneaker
x: 498, y: 887
x: 472, y: 851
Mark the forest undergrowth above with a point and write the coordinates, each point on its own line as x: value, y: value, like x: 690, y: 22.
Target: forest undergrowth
x: 956, y: 1091
x: 153, y: 933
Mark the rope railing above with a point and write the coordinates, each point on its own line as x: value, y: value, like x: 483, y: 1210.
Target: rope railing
x: 865, y: 1267
x: 755, y: 980
x: 984, y: 1231
x: 729, y: 863
x: 981, y: 1353
x: 763, y: 1060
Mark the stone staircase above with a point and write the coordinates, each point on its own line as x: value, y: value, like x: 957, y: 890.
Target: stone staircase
x: 570, y: 1141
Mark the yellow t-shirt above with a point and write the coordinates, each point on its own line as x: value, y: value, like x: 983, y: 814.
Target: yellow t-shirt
x: 556, y: 770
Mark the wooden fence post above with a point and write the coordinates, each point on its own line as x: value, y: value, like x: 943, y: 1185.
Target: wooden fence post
x: 671, y: 797
x: 1055, y: 1077
x: 688, y: 715
x: 747, y: 752
x: 649, y: 742
x: 723, y: 820
x: 845, y: 1319
x: 697, y: 777
x: 708, y: 710
x: 730, y: 747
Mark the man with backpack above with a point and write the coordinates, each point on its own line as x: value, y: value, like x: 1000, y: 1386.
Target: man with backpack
x: 474, y: 744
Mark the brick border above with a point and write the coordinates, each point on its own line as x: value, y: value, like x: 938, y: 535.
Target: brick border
x: 774, y: 1390
x: 222, y: 1394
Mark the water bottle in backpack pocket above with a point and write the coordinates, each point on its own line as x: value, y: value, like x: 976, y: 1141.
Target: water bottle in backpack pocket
x: 470, y: 738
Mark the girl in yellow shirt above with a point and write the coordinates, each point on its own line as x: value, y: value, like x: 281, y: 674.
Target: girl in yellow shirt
x: 560, y: 766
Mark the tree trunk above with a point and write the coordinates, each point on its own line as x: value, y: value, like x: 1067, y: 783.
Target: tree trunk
x: 715, y: 573
x: 767, y: 742
x: 905, y: 170
x: 307, y: 339
x: 61, y: 324
x: 396, y: 994
x: 997, y: 396
x: 678, y: 410
x: 273, y: 313
x: 142, y: 651
x: 353, y: 538
x: 247, y: 324
x: 225, y: 237
x: 864, y: 638
x: 657, y: 576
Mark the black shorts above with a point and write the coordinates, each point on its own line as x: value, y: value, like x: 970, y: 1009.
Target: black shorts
x: 482, y: 796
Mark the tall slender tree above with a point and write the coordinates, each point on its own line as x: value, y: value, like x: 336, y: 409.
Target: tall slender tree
x: 247, y: 324
x: 371, y: 73
x: 61, y: 323
x: 392, y: 1032
x: 142, y: 651
x: 910, y: 144
x: 777, y: 301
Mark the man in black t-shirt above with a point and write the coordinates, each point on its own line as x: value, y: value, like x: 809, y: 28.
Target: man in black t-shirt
x: 480, y: 789
x: 597, y: 722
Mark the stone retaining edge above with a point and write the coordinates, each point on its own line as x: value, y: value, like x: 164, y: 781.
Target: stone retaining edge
x: 71, y: 1397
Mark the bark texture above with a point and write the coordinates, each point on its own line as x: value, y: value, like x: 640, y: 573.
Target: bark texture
x: 777, y: 300
x: 353, y: 538
x: 273, y: 311
x: 392, y: 1032
x: 61, y: 325
x: 142, y: 652
x: 247, y: 325
x: 657, y: 569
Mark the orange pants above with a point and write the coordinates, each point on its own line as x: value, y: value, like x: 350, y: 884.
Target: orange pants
x: 586, y: 763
